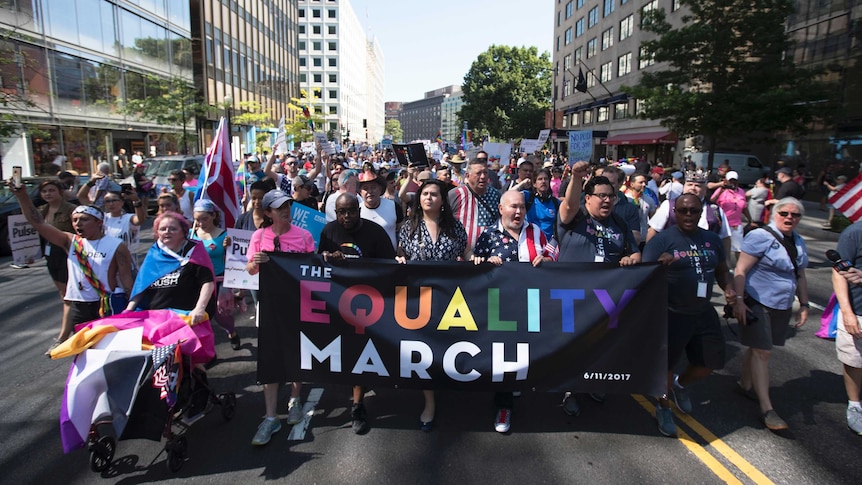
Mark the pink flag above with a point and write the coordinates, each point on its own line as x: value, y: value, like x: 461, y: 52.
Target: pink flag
x: 217, y: 177
x: 848, y: 200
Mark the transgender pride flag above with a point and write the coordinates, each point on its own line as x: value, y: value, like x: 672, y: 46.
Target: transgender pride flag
x: 217, y: 177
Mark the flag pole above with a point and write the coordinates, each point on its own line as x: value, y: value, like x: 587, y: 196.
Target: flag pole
x: 208, y: 160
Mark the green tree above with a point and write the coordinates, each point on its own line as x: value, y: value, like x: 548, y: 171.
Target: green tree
x: 393, y: 127
x: 253, y: 114
x: 300, y: 129
x: 507, y: 91
x: 17, y: 65
x: 170, y: 102
x: 726, y: 74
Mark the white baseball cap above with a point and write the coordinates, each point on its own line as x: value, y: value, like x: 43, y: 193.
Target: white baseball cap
x: 731, y: 175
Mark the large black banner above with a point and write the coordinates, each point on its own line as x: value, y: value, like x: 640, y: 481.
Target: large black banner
x: 560, y: 327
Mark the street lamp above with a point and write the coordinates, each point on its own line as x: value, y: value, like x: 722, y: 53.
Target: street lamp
x: 228, y: 103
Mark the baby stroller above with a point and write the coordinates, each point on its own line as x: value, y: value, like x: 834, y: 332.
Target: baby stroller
x: 116, y: 391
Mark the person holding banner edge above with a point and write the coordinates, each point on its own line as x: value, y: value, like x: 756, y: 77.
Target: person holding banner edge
x: 431, y: 233
x: 281, y: 236
x: 352, y: 237
x: 511, y: 239
x: 696, y: 260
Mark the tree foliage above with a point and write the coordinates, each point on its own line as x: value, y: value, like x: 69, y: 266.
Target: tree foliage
x: 169, y: 102
x: 15, y: 99
x: 300, y: 129
x: 393, y: 127
x: 724, y: 73
x: 252, y: 113
x: 507, y: 91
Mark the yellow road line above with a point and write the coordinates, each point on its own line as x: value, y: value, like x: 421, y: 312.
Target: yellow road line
x: 720, y: 446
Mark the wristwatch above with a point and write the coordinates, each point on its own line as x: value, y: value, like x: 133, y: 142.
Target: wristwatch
x: 804, y: 305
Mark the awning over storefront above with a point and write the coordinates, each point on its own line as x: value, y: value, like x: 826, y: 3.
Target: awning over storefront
x: 650, y: 138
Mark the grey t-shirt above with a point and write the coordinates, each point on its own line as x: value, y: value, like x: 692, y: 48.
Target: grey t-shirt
x: 756, y: 199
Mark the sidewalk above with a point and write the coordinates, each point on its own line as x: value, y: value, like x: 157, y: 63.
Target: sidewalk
x: 811, y: 224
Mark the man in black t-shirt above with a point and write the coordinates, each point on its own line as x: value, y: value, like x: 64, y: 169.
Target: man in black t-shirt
x: 788, y: 187
x: 351, y: 237
x: 695, y: 259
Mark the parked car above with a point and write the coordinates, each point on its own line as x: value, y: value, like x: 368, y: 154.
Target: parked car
x: 747, y: 165
x: 161, y: 167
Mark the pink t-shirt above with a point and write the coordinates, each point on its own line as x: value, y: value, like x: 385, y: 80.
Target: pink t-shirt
x: 296, y: 240
x: 732, y: 202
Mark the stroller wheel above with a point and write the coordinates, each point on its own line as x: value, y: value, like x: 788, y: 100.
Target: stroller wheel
x: 228, y: 405
x: 177, y: 452
x: 102, y: 453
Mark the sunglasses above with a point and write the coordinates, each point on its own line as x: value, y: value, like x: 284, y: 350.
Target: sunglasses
x: 794, y: 215
x: 687, y: 210
x: 173, y: 180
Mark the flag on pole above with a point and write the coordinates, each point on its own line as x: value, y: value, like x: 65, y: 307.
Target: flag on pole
x: 581, y: 84
x: 281, y: 139
x: 217, y: 177
x: 848, y: 200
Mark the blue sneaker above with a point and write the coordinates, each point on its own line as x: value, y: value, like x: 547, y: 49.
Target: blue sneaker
x: 265, y: 431
x: 666, y: 426
x: 681, y: 398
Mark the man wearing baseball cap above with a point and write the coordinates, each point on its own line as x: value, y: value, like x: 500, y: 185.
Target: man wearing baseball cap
x: 787, y: 187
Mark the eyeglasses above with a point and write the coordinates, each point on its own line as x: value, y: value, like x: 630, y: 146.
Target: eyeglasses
x: 794, y: 215
x: 605, y: 196
x: 345, y: 212
x: 687, y: 210
x: 276, y: 244
x: 291, y: 163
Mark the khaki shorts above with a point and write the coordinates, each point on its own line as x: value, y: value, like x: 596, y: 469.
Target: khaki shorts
x: 849, y: 349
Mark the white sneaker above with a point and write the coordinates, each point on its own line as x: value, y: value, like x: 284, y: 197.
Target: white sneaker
x: 503, y: 421
x: 294, y: 412
x: 854, y: 420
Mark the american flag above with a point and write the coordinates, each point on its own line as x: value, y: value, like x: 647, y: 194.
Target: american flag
x: 217, y: 177
x: 848, y: 200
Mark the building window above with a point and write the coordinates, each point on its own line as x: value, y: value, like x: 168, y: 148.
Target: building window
x: 331, y: 29
x: 575, y: 119
x: 302, y: 62
x: 579, y: 27
x: 302, y: 77
x: 580, y: 3
x: 567, y: 62
x: 318, y: 78
x: 333, y: 110
x: 639, y: 107
x: 591, y: 47
x: 315, y: 93
x: 605, y: 71
x: 333, y: 94
x: 318, y: 62
x: 558, y: 43
x: 318, y: 110
x: 331, y: 13
x: 570, y: 8
x: 646, y: 9
x: 591, y: 79
x: 559, y: 19
x: 608, y: 38
x: 315, y: 45
x: 627, y: 26
x: 302, y: 13
x: 604, y: 114
x: 565, y: 121
x: 315, y: 29
x: 333, y: 62
x: 588, y: 116
x: 568, y: 36
x: 302, y: 45
x: 301, y: 29
x: 621, y: 111
x: 315, y: 13
x: 593, y: 17
x: 609, y: 7
x: 624, y: 64
x: 333, y: 78
x: 332, y: 46
x: 675, y: 5
x: 579, y: 53
x: 645, y: 58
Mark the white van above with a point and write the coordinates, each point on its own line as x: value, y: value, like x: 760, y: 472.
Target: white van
x: 747, y: 165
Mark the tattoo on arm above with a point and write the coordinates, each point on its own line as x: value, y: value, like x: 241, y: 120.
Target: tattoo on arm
x: 36, y: 216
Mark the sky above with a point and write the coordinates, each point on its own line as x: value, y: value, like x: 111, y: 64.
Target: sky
x: 431, y: 44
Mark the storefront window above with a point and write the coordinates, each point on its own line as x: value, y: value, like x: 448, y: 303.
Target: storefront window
x: 48, y: 158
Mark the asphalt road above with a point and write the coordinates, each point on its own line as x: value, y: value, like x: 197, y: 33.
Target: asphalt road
x: 614, y: 442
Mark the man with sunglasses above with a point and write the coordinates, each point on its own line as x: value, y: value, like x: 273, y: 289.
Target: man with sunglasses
x: 592, y: 233
x: 695, y: 259
x: 284, y: 181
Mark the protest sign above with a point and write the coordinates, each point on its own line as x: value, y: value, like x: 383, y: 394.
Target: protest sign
x: 308, y: 219
x: 580, y: 146
x: 529, y: 146
x: 236, y: 257
x: 543, y: 137
x: 281, y: 139
x: 499, y: 152
x: 559, y: 327
x: 411, y: 154
x: 24, y: 240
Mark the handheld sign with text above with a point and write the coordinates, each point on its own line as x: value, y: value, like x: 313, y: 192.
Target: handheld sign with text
x: 308, y: 219
x: 236, y: 257
x: 24, y: 240
x: 411, y: 154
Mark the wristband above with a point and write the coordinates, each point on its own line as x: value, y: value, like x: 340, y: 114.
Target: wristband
x: 90, y: 183
x: 804, y: 305
x: 137, y: 203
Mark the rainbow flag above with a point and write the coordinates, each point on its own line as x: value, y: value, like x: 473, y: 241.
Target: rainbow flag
x: 439, y: 137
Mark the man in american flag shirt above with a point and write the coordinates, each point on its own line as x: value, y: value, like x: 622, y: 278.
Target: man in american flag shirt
x: 512, y: 239
x: 475, y: 203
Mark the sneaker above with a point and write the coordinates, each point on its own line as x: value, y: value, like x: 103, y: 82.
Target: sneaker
x: 294, y: 412
x: 666, y: 426
x: 854, y: 419
x: 265, y: 431
x: 773, y: 421
x: 234, y: 342
x: 681, y: 398
x: 360, y: 423
x: 570, y: 405
x: 503, y: 421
